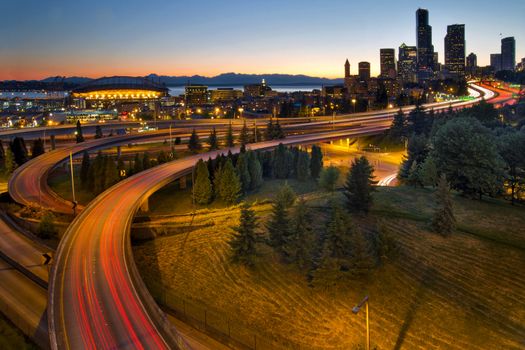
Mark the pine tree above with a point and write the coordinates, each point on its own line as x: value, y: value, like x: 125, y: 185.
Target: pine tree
x: 98, y: 132
x: 359, y: 186
x: 428, y: 172
x: 361, y: 260
x: 194, y: 144
x: 137, y: 164
x: 255, y: 170
x: 398, y: 127
x: 78, y: 133
x: 111, y: 175
x: 162, y: 157
x: 19, y: 149
x: 229, y: 136
x: 230, y: 185
x: 328, y: 178
x: 299, y: 245
x: 278, y: 226
x: 243, y: 242
x: 282, y: 162
x: 269, y: 130
x: 37, y: 148
x: 286, y: 195
x: 146, y: 161
x: 414, y: 176
x: 202, y: 190
x: 316, y: 162
x: 443, y: 221
x: 244, y: 136
x: 278, y: 132
x: 10, y: 164
x: 84, y: 170
x: 302, y: 167
x: 2, y: 155
x: 243, y: 172
x: 212, y: 140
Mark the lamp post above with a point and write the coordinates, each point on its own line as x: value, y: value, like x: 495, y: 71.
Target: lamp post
x: 72, y: 183
x: 353, y: 104
x: 355, y: 310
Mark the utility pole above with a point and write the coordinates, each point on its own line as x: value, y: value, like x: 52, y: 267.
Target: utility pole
x: 255, y: 131
x: 355, y: 310
x: 72, y: 182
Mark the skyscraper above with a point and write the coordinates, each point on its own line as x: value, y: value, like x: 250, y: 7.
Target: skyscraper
x: 472, y: 60
x: 495, y: 61
x: 347, y: 69
x: 388, y: 63
x: 425, y: 49
x: 508, y: 53
x: 455, y: 50
x: 407, y: 63
x: 364, y: 70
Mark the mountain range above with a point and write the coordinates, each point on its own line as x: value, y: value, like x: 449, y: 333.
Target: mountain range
x: 222, y: 79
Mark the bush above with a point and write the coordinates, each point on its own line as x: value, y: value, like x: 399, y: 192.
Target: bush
x: 47, y: 227
x: 329, y: 177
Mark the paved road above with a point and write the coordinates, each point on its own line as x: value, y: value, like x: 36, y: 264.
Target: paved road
x: 28, y: 184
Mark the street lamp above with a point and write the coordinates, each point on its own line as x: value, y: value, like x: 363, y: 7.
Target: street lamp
x: 353, y: 103
x: 355, y: 310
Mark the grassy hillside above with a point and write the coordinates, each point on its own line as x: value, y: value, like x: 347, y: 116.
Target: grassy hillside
x: 460, y: 292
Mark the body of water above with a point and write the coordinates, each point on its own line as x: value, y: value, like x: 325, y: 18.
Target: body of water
x: 179, y: 90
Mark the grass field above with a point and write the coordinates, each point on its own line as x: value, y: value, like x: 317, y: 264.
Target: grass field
x: 461, y: 292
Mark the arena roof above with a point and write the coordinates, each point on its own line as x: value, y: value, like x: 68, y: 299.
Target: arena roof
x: 121, y: 83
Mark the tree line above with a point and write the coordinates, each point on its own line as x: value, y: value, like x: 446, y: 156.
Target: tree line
x: 16, y: 153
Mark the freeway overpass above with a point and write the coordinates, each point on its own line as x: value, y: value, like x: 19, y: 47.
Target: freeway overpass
x: 28, y: 184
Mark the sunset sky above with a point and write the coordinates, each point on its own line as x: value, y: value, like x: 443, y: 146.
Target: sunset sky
x: 209, y: 37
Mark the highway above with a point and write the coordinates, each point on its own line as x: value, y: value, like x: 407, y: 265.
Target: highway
x: 28, y: 184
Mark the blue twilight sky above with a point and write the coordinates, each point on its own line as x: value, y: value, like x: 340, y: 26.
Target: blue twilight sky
x: 41, y: 38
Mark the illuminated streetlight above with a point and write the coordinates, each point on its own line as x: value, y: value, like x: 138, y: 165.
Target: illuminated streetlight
x: 355, y: 310
x: 353, y: 103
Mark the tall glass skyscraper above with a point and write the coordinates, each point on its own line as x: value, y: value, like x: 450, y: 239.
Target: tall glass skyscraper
x: 455, y: 50
x: 425, y: 49
x: 508, y: 53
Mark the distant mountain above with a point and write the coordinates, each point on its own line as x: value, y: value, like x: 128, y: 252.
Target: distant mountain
x: 242, y: 79
x: 222, y: 79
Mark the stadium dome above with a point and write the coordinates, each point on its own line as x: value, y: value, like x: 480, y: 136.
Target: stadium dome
x: 120, y: 88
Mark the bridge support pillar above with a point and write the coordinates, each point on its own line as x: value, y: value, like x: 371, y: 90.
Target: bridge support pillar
x: 182, y: 182
x: 144, y: 207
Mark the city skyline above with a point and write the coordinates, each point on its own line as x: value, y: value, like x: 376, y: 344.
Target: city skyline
x: 92, y: 39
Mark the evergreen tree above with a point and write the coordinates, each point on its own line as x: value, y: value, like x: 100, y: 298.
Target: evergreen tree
x: 78, y: 133
x: 98, y: 132
x: 162, y: 157
x: 361, y: 260
x: 359, y: 186
x: 10, y: 163
x: 299, y: 245
x: 19, y: 149
x: 230, y: 185
x: 137, y: 164
x: 512, y: 150
x: 84, y: 170
x: 269, y: 130
x: 244, y: 136
x: 414, y: 177
x: 286, y: 196
x: 316, y: 162
x: 212, y: 140
x: 38, y: 148
x: 429, y: 173
x: 417, y: 120
x: 278, y: 226
x: 194, y: 144
x: 417, y: 153
x: 302, y: 168
x: 243, y: 243
x: 202, y: 189
x: 255, y: 170
x: 398, y: 128
x: 243, y: 172
x: 282, y: 162
x: 146, y: 161
x: 278, y: 132
x: 328, y: 178
x: 111, y: 174
x: 443, y: 220
x: 229, y: 136
x: 2, y: 155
